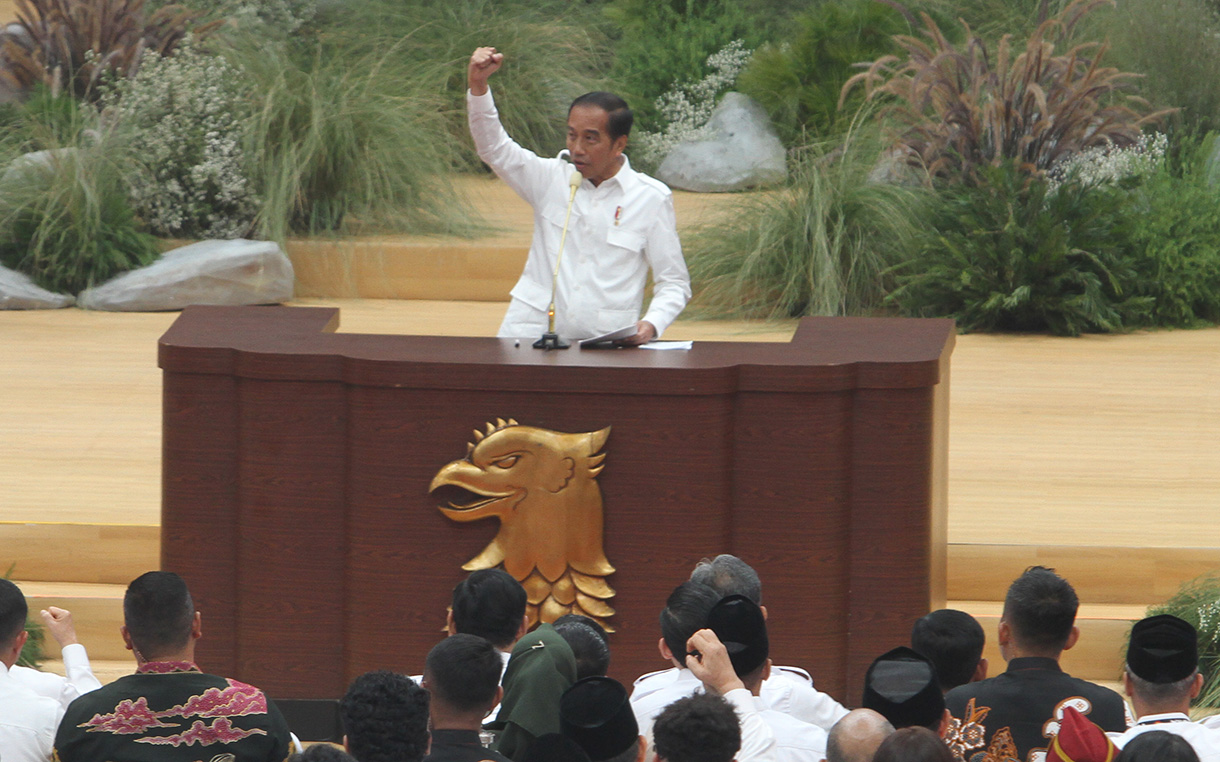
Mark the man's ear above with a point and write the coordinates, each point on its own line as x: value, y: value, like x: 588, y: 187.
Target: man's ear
x: 666, y: 654
x: 642, y: 749
x: 1073, y: 636
x: 449, y: 623
x: 1128, y: 686
x: 1004, y: 632
x: 945, y: 719
x: 980, y: 670
x: 19, y: 643
x: 499, y: 695
x: 767, y: 671
x: 197, y: 626
x: 1195, y: 687
x: 763, y: 609
x: 619, y: 145
x: 346, y: 747
x: 126, y: 637
x: 525, y: 626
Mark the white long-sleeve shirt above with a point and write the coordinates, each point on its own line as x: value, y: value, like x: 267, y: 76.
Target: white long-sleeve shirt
x: 27, y: 721
x: 618, y: 230
x: 80, y: 678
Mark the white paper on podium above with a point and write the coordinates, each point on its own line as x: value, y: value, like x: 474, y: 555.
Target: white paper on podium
x: 625, y: 332
x: 668, y: 345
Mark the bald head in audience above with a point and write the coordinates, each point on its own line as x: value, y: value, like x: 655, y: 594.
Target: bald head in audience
x: 855, y: 738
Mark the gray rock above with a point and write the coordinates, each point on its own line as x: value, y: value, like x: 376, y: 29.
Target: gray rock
x: 209, y: 272
x: 19, y: 292
x: 33, y: 167
x: 744, y: 151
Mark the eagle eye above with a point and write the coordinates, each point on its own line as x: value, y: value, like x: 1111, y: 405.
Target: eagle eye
x: 506, y: 462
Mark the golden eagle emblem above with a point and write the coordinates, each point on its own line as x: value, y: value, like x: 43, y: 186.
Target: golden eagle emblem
x: 542, y: 485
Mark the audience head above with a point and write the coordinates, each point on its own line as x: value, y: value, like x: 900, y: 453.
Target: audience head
x: 462, y: 674
x: 13, y: 613
x: 729, y: 575
x: 159, y: 617
x: 589, y: 644
x: 901, y: 685
x: 685, y: 614
x: 1158, y: 746
x: 385, y: 718
x: 1039, y: 614
x: 1079, y: 740
x: 322, y: 752
x: 698, y: 728
x: 953, y: 641
x: 596, y: 713
x: 856, y: 736
x: 739, y: 624
x: 489, y: 603
x: 1163, y: 665
x: 554, y: 747
x: 913, y: 745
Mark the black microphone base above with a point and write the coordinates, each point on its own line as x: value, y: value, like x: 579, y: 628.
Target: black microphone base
x: 550, y: 340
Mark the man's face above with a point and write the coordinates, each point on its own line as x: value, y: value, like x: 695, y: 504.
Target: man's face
x: 595, y: 155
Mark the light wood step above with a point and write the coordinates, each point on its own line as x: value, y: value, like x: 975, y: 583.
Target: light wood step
x: 97, y: 613
x: 1098, y: 654
x: 67, y: 552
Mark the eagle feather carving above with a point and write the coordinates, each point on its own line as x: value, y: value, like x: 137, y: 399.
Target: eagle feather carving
x: 542, y: 485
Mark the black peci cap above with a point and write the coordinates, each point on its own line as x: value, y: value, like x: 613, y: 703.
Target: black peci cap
x: 1163, y: 649
x: 901, y: 685
x: 596, y: 714
x: 740, y: 625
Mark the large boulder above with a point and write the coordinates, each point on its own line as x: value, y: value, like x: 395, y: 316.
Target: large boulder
x: 743, y: 152
x: 209, y: 272
x: 18, y: 292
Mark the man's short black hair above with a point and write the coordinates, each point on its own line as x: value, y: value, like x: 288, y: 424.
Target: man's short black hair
x: 698, y: 728
x: 685, y: 614
x: 463, y: 672
x: 159, y: 613
x: 953, y: 641
x: 588, y: 642
x: 1158, y: 746
x: 13, y: 612
x: 385, y: 717
x: 489, y: 603
x: 322, y: 752
x: 729, y: 575
x: 917, y: 744
x: 1040, y: 607
x: 620, y: 117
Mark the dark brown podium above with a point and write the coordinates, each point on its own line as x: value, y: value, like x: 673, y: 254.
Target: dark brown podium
x: 297, y: 463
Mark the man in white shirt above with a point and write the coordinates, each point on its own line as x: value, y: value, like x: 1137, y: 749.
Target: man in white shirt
x: 79, y: 679
x: 622, y: 222
x: 788, y: 689
x: 27, y: 720
x: 1162, y: 677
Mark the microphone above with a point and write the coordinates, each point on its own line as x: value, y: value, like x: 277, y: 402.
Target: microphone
x: 550, y: 339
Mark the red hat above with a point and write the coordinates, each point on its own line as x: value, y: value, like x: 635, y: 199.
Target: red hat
x: 1079, y: 740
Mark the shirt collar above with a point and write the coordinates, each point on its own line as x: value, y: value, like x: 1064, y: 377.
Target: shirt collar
x: 1034, y: 662
x: 166, y: 667
x: 1157, y: 719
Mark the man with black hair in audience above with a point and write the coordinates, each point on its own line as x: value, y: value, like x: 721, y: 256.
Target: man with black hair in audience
x: 596, y: 714
x: 855, y: 738
x: 462, y: 674
x: 385, y: 718
x: 699, y: 728
x: 788, y: 689
x: 1016, y: 712
x: 702, y: 664
x: 1162, y: 678
x: 490, y: 603
x: 953, y: 641
x: 27, y: 720
x: 169, y: 709
x: 901, y: 685
x: 588, y: 642
x: 740, y: 625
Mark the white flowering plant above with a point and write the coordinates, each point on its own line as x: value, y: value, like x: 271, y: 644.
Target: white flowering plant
x: 686, y: 108
x: 1110, y: 165
x: 185, y: 116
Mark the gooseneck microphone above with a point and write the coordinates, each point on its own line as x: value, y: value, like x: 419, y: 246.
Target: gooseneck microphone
x: 550, y: 339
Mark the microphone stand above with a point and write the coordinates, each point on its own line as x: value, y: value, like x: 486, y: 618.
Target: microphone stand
x: 550, y: 340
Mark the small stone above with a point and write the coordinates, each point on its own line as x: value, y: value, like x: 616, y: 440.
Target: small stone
x: 19, y: 292
x: 744, y: 152
x: 230, y: 273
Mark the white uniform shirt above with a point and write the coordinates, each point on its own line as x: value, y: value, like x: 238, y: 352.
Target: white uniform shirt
x: 757, y: 740
x: 618, y: 230
x: 80, y: 678
x: 27, y: 721
x: 789, y: 690
x: 1205, y: 741
x: 795, y: 741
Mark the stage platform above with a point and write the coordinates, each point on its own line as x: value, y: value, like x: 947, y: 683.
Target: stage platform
x: 1096, y: 455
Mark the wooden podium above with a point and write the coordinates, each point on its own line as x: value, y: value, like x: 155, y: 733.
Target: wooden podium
x: 297, y: 463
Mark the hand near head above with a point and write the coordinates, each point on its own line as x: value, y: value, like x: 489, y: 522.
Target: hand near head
x: 59, y: 623
x: 709, y: 661
x: 644, y: 333
x: 483, y: 63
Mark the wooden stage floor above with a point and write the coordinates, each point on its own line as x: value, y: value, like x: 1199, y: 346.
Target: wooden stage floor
x: 1101, y: 440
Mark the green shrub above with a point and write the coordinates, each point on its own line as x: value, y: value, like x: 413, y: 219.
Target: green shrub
x: 64, y: 216
x: 820, y: 246
x: 1004, y: 255
x: 664, y: 42
x: 1198, y: 602
x: 798, y: 80
x: 966, y: 106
